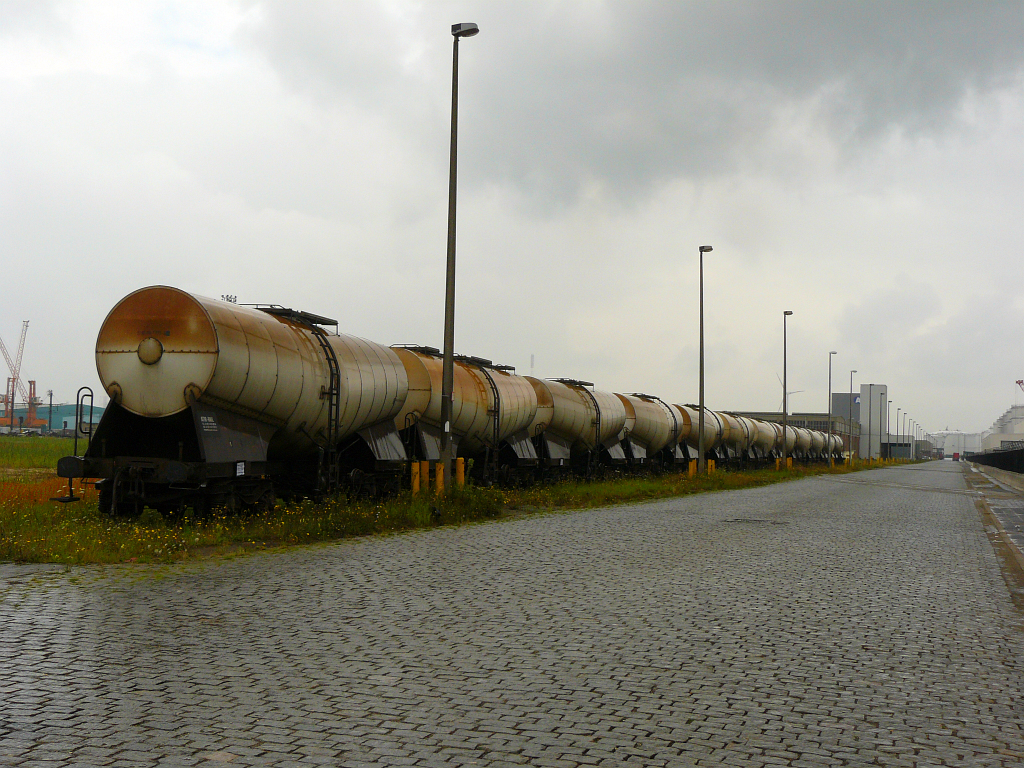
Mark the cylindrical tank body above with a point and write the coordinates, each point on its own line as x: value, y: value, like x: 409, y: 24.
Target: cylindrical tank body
x: 751, y: 428
x: 803, y: 439
x: 473, y: 400
x: 576, y: 412
x: 817, y: 442
x: 737, y: 433
x: 790, y: 438
x: 765, y: 436
x: 714, y: 429
x: 656, y: 424
x: 630, y: 423
x: 160, y: 349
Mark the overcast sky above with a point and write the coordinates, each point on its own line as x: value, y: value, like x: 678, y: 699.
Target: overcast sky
x: 858, y: 163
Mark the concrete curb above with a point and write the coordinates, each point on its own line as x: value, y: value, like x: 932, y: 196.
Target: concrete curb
x: 1012, y: 483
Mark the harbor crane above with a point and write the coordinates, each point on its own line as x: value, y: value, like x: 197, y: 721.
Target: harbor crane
x: 14, y: 383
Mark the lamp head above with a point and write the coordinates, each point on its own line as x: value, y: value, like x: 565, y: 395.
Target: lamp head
x: 464, y: 30
x: 706, y: 249
x: 788, y: 312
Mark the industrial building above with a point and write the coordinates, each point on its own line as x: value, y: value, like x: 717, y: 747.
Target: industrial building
x: 1007, y: 431
x: 43, y: 419
x: 883, y: 436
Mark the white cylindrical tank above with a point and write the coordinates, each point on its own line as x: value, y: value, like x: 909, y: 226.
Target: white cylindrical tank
x: 738, y: 436
x: 817, y: 442
x: 473, y: 399
x: 714, y: 429
x: 790, y: 438
x: 656, y: 424
x: 160, y: 349
x: 576, y: 412
x: 765, y: 436
x: 751, y: 428
x: 803, y: 439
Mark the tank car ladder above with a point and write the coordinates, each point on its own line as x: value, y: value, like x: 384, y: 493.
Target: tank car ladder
x: 333, y: 395
x: 492, y: 450
x: 594, y: 459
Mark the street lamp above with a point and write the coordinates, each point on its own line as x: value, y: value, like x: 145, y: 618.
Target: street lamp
x: 868, y: 457
x: 448, y: 360
x: 881, y: 408
x: 785, y: 393
x: 898, y: 441
x: 905, y: 435
x: 700, y: 421
x: 830, y: 463
x: 850, y: 422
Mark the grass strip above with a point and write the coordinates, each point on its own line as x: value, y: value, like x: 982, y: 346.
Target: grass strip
x: 35, y: 451
x: 33, y: 529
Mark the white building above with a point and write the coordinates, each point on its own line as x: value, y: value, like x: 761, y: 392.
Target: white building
x: 1008, y: 428
x: 954, y: 441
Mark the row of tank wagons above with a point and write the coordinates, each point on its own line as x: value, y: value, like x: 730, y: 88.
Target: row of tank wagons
x: 205, y: 392
x: 566, y: 422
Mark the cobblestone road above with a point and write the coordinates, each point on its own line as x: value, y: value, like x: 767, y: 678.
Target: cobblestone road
x: 853, y: 621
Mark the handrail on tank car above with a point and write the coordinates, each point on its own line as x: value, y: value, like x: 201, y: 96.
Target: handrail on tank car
x: 84, y: 394
x: 80, y: 398
x: 297, y: 315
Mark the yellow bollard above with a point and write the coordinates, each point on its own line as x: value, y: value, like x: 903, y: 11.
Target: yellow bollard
x: 778, y: 463
x: 691, y: 469
x: 439, y: 478
x: 415, y: 477
x: 460, y: 472
x: 789, y: 462
x: 425, y: 475
x: 711, y: 466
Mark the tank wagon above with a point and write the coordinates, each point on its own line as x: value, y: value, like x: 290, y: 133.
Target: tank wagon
x: 219, y: 404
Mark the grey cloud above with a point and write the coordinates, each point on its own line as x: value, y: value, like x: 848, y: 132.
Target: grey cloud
x: 28, y: 16
x: 559, y: 97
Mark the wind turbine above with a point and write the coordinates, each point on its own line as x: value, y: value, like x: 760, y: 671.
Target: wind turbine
x: 791, y: 392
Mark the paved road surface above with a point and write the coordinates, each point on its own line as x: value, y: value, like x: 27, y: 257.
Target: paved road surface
x: 855, y: 621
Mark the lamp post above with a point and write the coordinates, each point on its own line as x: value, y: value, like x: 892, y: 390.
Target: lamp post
x: 910, y: 435
x: 898, y: 441
x: 888, y: 436
x: 701, y: 463
x: 785, y: 393
x: 868, y: 457
x: 448, y: 360
x: 830, y: 451
x: 850, y: 422
x: 905, y: 435
x: 881, y: 409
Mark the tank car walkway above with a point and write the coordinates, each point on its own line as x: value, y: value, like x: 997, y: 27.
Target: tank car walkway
x: 856, y: 621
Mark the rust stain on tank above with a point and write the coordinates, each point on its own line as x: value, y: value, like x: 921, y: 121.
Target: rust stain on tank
x: 168, y: 315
